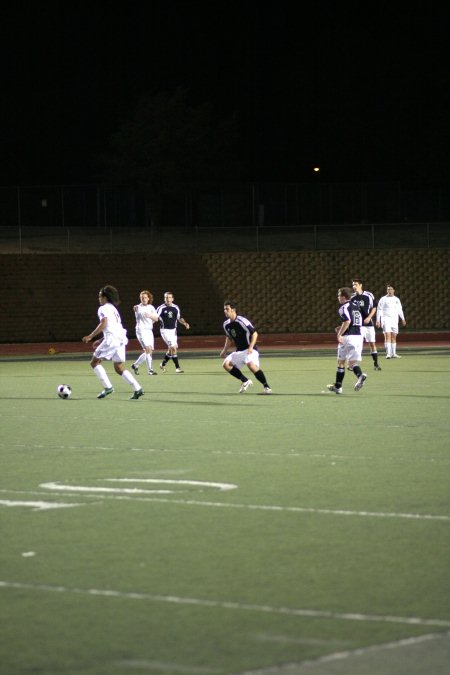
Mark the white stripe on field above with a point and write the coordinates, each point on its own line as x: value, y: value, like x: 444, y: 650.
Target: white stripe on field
x: 287, y: 668
x: 251, y: 507
x: 39, y: 506
x: 220, y: 604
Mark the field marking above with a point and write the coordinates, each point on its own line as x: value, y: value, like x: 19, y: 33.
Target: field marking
x: 166, y: 481
x: 231, y: 505
x: 292, y: 452
x: 286, y: 668
x: 287, y: 639
x: 223, y: 604
x: 38, y: 506
x: 166, y: 667
x: 177, y: 481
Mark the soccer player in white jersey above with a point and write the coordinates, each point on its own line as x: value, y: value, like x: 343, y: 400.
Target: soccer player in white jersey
x: 169, y: 315
x: 350, y: 341
x: 241, y: 334
x: 112, y: 346
x: 389, y: 311
x: 368, y: 306
x: 145, y: 314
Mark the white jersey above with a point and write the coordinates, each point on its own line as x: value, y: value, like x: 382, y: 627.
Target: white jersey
x: 113, y: 326
x: 143, y: 320
x: 390, y: 307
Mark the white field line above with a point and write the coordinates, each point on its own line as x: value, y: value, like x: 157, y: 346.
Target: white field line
x: 287, y: 668
x: 220, y: 604
x: 254, y: 507
x: 174, y: 481
x: 164, y: 666
x: 61, y: 491
x: 38, y: 506
x: 289, y: 453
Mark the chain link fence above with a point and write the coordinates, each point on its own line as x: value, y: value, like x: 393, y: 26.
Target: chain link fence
x: 225, y: 217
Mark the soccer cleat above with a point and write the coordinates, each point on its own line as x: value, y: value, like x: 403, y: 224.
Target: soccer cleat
x: 106, y: 391
x: 267, y: 390
x: 152, y: 372
x: 334, y: 389
x: 388, y: 356
x: 179, y: 370
x: 377, y: 368
x: 162, y: 367
x: 245, y: 385
x: 361, y: 379
x: 135, y: 369
x: 137, y: 394
x: 396, y: 356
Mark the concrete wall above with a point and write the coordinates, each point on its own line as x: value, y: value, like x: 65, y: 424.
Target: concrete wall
x: 54, y: 297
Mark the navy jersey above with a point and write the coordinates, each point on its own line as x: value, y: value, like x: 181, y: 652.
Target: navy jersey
x: 168, y: 315
x: 240, y: 331
x: 366, y: 302
x: 350, y: 311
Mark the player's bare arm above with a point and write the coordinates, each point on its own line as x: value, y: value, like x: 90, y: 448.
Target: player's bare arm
x: 368, y: 318
x: 99, y: 329
x: 342, y: 330
x: 226, y: 347
x: 252, y: 342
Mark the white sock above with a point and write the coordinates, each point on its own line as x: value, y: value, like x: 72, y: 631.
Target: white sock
x: 128, y: 377
x: 140, y: 359
x: 148, y: 358
x: 394, y: 348
x: 102, y: 376
x: 389, y: 348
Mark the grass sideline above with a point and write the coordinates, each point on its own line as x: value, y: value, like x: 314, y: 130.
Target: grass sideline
x: 202, y: 531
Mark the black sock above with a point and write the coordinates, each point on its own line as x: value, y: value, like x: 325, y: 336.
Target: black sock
x: 261, y: 378
x: 357, y: 370
x: 340, y: 374
x: 175, y: 360
x: 235, y: 372
x: 375, y: 358
x: 166, y: 358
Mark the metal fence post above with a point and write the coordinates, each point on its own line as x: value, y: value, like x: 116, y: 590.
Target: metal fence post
x: 19, y: 219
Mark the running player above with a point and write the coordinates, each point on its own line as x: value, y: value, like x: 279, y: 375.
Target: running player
x: 112, y: 346
x: 145, y: 315
x: 350, y: 341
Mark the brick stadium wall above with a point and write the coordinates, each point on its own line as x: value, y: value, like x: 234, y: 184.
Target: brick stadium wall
x: 54, y: 297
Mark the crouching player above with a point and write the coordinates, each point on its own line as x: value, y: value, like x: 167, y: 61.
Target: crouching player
x: 241, y: 334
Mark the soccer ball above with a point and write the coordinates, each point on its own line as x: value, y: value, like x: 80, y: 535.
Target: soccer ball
x: 64, y: 391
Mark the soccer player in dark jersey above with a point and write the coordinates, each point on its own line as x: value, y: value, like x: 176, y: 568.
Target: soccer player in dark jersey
x: 350, y: 341
x: 241, y: 334
x: 368, y: 307
x: 169, y: 315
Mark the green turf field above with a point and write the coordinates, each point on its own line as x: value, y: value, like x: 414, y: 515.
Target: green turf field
x: 199, y: 531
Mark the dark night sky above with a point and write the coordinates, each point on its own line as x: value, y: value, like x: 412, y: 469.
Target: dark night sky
x: 361, y: 89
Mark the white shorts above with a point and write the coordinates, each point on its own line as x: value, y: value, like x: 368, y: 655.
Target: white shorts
x: 169, y: 335
x: 146, y: 338
x: 350, y: 349
x: 368, y: 333
x: 243, y: 358
x: 111, y: 349
x: 389, y: 325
